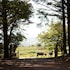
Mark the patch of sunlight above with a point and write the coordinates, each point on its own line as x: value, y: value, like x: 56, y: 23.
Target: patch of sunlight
x: 31, y: 52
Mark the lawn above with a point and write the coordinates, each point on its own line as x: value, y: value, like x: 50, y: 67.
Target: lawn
x: 31, y: 52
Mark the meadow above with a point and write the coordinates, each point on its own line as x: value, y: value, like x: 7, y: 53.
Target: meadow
x: 31, y: 52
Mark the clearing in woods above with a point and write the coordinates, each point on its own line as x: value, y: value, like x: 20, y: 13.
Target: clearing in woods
x: 31, y: 52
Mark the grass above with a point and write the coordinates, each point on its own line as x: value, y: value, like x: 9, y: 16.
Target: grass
x: 31, y: 52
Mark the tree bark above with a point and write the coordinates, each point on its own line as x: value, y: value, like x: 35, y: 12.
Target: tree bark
x: 64, y: 28
x: 68, y: 14
x: 5, y: 28
x: 56, y: 50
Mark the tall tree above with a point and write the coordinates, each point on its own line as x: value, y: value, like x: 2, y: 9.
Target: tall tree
x: 64, y: 25
x: 68, y: 14
x: 4, y: 15
x: 53, y: 37
x: 58, y: 9
x: 12, y: 12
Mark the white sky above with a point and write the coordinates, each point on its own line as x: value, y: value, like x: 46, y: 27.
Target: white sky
x: 31, y: 30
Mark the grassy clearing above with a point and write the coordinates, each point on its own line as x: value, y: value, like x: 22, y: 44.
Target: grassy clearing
x: 31, y: 52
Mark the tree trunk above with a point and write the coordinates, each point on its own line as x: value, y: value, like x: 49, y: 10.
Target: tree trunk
x: 56, y: 49
x: 4, y: 14
x: 64, y: 29
x: 68, y: 14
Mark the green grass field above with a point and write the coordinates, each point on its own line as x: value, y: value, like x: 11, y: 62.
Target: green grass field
x: 31, y: 52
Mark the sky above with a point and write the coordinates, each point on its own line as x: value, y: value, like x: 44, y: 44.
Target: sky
x: 32, y: 30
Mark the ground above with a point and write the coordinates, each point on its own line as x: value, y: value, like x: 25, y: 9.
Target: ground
x: 34, y: 64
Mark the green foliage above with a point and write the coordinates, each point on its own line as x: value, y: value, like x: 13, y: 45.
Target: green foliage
x: 15, y: 10
x: 50, y: 37
x: 19, y: 9
x: 11, y: 13
x: 17, y: 38
x: 51, y: 8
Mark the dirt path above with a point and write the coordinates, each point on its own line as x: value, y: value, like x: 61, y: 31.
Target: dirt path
x: 34, y: 64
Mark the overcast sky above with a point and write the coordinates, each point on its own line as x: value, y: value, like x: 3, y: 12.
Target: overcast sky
x: 32, y: 30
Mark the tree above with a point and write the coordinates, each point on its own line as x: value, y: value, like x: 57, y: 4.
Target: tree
x: 16, y: 39
x: 55, y: 6
x: 64, y: 30
x: 58, y: 9
x: 53, y: 36
x: 4, y: 15
x: 1, y: 50
x: 68, y: 14
x: 11, y: 12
